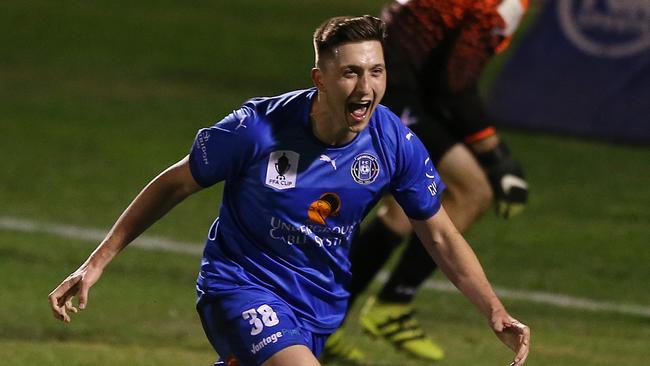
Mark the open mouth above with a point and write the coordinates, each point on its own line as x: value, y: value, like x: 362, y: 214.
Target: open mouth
x: 359, y: 110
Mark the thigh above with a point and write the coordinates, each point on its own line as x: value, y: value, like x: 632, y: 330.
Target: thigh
x: 460, y: 170
x: 250, y: 325
x: 293, y: 355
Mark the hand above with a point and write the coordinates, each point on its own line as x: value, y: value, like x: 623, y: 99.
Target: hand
x: 513, y: 334
x: 77, y: 284
x: 507, y: 180
x: 510, y: 193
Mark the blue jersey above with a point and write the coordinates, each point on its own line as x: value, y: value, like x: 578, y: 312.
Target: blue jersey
x: 292, y: 205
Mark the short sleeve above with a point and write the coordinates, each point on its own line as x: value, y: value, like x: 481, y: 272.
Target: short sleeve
x: 222, y: 151
x: 416, y: 186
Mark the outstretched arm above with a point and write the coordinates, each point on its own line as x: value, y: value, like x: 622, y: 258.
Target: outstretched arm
x: 163, y: 193
x: 457, y: 260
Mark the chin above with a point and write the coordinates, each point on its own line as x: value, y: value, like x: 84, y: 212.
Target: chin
x: 358, y: 126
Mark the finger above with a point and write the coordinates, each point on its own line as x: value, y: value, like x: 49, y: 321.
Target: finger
x: 70, y: 307
x: 524, y: 346
x: 519, y: 360
x: 57, y: 311
x: 60, y: 313
x: 58, y: 293
x: 67, y: 296
x: 83, y: 296
x: 68, y: 286
x: 65, y: 305
x: 56, y: 305
x: 497, y: 325
x: 59, y: 296
x: 502, y: 324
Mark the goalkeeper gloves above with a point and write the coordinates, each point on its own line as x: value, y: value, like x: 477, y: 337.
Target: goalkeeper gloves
x: 507, y: 180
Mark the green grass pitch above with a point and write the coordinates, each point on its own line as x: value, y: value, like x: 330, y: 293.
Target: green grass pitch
x: 98, y: 97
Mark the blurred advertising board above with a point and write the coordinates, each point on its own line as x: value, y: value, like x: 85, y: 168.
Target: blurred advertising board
x: 583, y: 69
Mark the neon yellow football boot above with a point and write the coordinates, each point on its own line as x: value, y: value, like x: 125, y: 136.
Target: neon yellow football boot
x: 338, y: 348
x: 395, y: 323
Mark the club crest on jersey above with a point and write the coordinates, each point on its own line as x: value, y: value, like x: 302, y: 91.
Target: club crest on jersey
x: 365, y: 168
x: 282, y: 168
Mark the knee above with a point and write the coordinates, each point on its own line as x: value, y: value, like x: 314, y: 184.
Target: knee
x: 482, y: 196
x: 475, y: 199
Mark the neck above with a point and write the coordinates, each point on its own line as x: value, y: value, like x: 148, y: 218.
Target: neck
x: 325, y: 127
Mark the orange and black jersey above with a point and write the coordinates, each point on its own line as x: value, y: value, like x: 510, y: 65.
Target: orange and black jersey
x: 479, y: 28
x: 448, y: 43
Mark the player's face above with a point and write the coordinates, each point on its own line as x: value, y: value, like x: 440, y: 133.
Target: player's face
x: 354, y: 81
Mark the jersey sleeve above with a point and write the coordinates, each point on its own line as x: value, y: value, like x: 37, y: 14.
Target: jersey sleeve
x: 417, y: 186
x: 222, y: 151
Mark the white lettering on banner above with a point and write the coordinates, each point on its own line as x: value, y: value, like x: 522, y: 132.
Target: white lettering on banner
x: 606, y: 28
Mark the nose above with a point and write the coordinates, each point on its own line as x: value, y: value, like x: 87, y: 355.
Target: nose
x: 363, y: 84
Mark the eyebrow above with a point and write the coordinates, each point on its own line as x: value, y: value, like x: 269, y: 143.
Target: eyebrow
x: 355, y: 66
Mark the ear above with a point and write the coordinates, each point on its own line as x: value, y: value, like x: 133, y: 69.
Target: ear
x: 317, y: 78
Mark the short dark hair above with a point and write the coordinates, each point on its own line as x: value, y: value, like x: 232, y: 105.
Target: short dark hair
x: 338, y: 30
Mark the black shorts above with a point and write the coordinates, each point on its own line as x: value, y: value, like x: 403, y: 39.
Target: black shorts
x: 410, y: 95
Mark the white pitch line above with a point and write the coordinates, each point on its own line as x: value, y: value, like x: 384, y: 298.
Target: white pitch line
x: 167, y: 245
x: 559, y: 300
x: 96, y: 235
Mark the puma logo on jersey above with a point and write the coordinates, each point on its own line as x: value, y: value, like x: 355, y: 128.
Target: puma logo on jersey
x: 327, y: 159
x: 241, y: 123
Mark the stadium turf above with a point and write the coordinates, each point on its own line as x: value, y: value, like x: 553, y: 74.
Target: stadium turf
x: 96, y: 98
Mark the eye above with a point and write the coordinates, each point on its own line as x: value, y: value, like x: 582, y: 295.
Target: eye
x: 349, y: 73
x: 377, y: 71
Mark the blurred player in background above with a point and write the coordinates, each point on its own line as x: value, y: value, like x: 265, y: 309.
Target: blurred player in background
x: 435, y: 52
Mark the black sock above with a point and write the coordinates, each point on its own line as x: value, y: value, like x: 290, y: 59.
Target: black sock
x: 368, y: 255
x: 414, y: 267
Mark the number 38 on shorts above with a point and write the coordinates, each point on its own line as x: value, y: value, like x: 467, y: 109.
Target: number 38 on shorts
x: 263, y: 316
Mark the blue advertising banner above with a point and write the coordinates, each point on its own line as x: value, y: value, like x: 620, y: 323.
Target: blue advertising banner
x: 583, y: 68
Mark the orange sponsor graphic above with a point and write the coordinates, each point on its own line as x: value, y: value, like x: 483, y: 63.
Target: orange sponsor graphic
x: 329, y: 204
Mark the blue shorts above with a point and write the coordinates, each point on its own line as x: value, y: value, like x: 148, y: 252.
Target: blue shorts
x: 251, y: 324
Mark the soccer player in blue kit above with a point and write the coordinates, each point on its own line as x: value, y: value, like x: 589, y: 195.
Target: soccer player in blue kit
x: 301, y: 171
